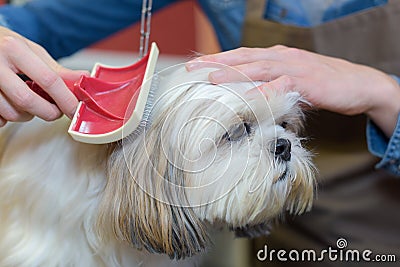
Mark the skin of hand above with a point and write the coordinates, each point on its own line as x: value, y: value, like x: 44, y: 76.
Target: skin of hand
x: 328, y: 83
x: 17, y: 101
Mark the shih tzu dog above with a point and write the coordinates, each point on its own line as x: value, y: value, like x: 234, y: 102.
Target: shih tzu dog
x: 208, y: 155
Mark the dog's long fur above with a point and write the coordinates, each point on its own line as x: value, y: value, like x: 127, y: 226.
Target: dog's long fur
x: 207, y: 157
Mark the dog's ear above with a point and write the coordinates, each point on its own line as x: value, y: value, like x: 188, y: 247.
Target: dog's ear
x: 144, y: 203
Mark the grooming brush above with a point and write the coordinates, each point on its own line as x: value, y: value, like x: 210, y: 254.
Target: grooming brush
x: 113, y: 100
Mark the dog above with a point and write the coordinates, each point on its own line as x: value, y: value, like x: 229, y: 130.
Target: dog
x: 208, y: 155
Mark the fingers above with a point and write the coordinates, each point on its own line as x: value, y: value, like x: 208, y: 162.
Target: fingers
x: 256, y: 64
x: 281, y: 84
x: 18, y: 100
x: 255, y: 71
x: 20, y: 55
x: 2, y: 122
x: 10, y: 113
x: 235, y: 57
x: 66, y: 74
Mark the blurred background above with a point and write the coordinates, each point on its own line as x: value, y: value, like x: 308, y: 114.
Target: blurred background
x: 179, y: 30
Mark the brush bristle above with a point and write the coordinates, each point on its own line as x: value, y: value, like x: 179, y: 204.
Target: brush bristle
x: 145, y: 122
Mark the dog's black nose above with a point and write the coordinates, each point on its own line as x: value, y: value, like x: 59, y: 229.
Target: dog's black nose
x: 283, y: 149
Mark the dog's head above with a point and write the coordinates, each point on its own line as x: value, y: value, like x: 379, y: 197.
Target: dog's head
x: 210, y: 154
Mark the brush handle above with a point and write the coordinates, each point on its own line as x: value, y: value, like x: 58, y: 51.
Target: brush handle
x: 86, y: 89
x: 42, y: 93
x: 38, y: 90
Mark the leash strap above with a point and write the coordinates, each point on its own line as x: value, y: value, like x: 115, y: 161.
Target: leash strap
x: 145, y: 27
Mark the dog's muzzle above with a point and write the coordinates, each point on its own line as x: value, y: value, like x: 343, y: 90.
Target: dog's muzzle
x: 283, y: 149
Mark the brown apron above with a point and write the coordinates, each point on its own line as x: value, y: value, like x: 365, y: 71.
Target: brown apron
x: 370, y: 37
x: 354, y: 201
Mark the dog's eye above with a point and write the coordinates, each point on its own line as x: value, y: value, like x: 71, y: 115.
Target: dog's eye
x: 284, y: 124
x: 238, y: 132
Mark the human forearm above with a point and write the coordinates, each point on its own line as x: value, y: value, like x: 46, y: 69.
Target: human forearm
x: 386, y: 107
x: 328, y: 83
x: 384, y: 113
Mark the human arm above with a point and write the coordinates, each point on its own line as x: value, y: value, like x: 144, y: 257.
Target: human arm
x: 328, y: 83
x: 387, y: 149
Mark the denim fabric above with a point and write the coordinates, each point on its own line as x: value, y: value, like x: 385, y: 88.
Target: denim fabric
x: 3, y: 21
x: 387, y: 149
x: 308, y: 13
x: 65, y: 26
x: 227, y: 18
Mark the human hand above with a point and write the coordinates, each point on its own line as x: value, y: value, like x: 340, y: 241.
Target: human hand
x: 17, y: 101
x: 328, y: 83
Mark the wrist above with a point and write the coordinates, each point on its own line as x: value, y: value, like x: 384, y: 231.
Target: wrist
x: 386, y: 107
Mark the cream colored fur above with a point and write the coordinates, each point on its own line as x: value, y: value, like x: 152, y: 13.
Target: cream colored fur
x: 64, y: 203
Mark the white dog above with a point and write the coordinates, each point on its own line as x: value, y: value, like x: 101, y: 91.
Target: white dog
x: 209, y: 155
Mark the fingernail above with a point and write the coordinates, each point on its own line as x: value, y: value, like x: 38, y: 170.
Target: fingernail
x: 255, y: 92
x: 85, y: 73
x: 192, y: 65
x: 217, y: 76
x: 72, y: 113
x: 73, y: 108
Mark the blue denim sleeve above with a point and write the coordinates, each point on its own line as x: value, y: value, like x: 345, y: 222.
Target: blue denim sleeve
x: 64, y: 26
x: 309, y: 13
x: 227, y: 18
x: 387, y: 149
x: 3, y: 21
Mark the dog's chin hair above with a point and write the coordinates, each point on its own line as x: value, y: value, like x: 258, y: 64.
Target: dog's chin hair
x: 303, y: 186
x: 299, y: 198
x: 267, y: 202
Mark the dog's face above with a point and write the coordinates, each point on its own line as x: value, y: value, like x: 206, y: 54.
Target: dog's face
x: 210, y: 154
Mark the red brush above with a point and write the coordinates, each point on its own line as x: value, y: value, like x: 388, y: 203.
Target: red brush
x: 112, y: 100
